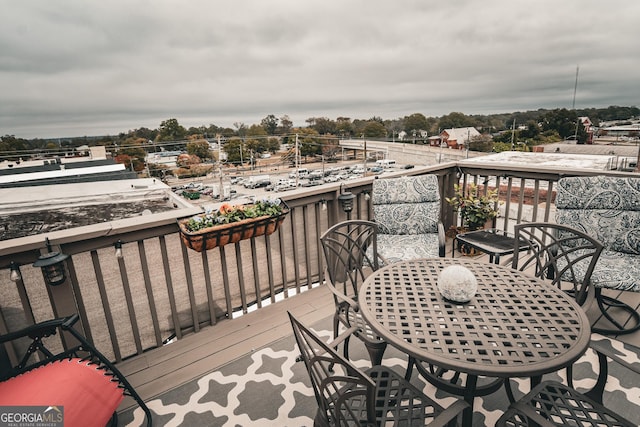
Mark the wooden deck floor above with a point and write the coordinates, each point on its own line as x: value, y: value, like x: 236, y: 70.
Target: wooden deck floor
x: 165, y: 368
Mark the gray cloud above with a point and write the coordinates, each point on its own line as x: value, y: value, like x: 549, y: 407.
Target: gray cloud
x: 72, y: 67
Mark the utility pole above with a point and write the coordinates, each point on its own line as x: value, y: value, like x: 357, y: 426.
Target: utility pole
x: 364, y: 159
x: 513, y: 135
x: 220, y: 189
x: 575, y: 88
x: 297, y: 163
x: 573, y: 105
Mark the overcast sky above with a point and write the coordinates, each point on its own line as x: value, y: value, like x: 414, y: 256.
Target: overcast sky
x: 85, y: 67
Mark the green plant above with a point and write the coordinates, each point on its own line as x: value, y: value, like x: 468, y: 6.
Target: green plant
x: 475, y: 209
x: 228, y: 213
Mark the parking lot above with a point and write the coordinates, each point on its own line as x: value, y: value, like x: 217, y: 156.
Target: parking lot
x: 246, y: 187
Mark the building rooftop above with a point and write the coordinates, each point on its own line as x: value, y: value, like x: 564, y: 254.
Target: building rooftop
x: 42, y: 209
x: 551, y: 160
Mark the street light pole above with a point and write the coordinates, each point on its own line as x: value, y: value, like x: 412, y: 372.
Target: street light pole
x: 364, y: 159
x: 220, y: 189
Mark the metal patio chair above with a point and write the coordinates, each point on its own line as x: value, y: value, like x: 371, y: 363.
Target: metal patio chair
x: 32, y: 352
x: 553, y: 404
x: 607, y: 208
x: 350, y: 251
x: 561, y: 254
x: 348, y: 396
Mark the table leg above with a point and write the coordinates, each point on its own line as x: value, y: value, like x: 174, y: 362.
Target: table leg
x: 469, y: 396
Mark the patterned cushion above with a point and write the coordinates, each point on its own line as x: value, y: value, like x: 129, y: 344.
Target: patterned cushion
x: 614, y: 270
x: 607, y: 208
x: 408, y: 246
x: 407, y: 218
x: 617, y: 270
x: 406, y: 189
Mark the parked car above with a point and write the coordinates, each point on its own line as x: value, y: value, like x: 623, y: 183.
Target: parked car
x: 284, y: 186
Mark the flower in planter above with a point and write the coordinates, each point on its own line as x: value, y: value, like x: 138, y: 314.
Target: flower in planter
x: 228, y: 213
x: 475, y: 209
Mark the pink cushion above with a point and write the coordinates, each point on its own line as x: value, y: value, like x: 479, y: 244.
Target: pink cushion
x: 88, y: 395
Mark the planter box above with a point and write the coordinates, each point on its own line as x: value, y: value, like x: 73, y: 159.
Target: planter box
x: 220, y: 235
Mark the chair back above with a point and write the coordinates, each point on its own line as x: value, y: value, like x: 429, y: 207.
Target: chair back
x: 350, y: 247
x: 559, y: 253
x: 406, y: 205
x: 336, y: 382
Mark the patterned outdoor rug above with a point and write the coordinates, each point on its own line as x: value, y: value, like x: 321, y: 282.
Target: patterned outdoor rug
x: 269, y: 388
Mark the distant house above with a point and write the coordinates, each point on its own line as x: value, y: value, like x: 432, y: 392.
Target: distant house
x: 458, y: 138
x: 588, y: 127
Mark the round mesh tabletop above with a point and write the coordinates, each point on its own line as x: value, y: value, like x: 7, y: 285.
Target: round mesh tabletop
x: 516, y: 325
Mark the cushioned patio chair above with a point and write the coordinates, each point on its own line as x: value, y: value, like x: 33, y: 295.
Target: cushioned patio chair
x: 552, y: 404
x: 348, y: 396
x: 607, y: 208
x: 80, y: 379
x: 350, y: 252
x: 407, y: 211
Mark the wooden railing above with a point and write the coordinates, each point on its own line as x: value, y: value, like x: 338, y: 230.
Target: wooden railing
x: 159, y: 290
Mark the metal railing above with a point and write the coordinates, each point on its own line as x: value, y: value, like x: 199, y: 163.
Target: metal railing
x: 159, y: 290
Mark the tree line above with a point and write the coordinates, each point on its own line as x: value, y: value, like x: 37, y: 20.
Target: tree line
x: 320, y: 136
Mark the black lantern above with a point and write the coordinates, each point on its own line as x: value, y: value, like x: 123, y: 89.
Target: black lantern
x: 52, y: 265
x: 346, y: 201
x: 14, y: 274
x: 118, y: 246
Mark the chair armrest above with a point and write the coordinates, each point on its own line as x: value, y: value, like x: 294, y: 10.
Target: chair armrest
x: 383, y: 261
x: 604, y: 353
x: 340, y: 297
x: 40, y: 330
x: 603, y: 349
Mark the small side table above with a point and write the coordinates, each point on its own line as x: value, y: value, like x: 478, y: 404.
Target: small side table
x: 491, y: 241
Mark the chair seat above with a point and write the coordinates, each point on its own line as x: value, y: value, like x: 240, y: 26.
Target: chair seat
x: 614, y: 270
x: 395, y: 247
x: 88, y: 396
x: 555, y: 404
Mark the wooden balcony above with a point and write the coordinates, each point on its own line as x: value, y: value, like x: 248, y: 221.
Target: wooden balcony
x: 166, y: 315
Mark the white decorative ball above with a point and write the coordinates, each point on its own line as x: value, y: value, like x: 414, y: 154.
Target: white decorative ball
x: 457, y: 283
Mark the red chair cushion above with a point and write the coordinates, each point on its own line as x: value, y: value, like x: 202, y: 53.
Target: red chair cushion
x: 88, y: 395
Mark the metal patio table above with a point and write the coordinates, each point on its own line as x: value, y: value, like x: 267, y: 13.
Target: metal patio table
x: 515, y: 326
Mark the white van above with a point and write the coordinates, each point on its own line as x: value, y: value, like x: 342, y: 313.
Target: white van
x: 302, y: 172
x: 386, y: 163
